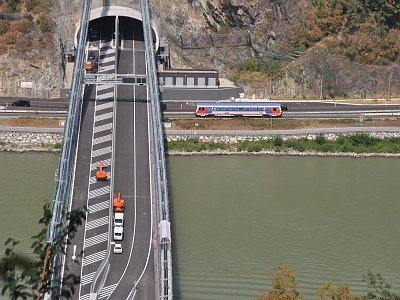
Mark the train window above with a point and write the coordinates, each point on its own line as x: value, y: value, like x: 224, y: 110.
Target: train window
x: 240, y: 108
x: 274, y: 109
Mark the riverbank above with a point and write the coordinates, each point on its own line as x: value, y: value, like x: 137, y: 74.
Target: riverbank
x: 379, y: 143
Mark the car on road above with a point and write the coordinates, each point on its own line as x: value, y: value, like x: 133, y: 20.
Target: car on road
x: 283, y: 107
x: 25, y: 103
x: 117, y: 248
x: 118, y: 220
x: 91, y: 55
x: 118, y: 233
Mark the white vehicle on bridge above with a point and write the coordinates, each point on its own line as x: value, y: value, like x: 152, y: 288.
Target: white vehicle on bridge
x: 118, y: 233
x: 118, y: 220
x: 117, y: 249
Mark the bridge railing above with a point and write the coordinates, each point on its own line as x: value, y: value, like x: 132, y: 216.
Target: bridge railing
x: 164, y: 234
x: 68, y: 151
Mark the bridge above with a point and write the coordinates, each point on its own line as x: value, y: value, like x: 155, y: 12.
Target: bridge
x: 114, y: 117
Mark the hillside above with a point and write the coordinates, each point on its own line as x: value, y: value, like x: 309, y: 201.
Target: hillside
x: 281, y: 48
x: 285, y: 48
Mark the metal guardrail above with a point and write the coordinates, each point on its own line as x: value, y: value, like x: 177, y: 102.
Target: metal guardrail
x: 164, y: 235
x: 68, y: 152
x: 99, y: 78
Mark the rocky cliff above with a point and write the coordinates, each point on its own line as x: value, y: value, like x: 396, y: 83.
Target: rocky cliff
x: 261, y: 40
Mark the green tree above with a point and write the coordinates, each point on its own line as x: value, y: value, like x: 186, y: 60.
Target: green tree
x: 284, y: 285
x: 333, y: 291
x: 27, y: 277
x: 378, y: 288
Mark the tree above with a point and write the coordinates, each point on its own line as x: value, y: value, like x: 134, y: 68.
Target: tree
x: 27, y: 277
x: 378, y: 288
x: 284, y: 285
x: 333, y: 291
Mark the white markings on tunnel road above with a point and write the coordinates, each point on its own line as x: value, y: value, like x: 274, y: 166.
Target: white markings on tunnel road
x: 106, y: 95
x: 99, y: 206
x: 104, y: 105
x: 96, y: 240
x: 103, y: 117
x: 102, y: 151
x: 87, y: 260
x: 97, y: 223
x: 103, y: 128
x: 102, y: 139
x: 99, y: 192
x: 107, y: 291
x: 88, y: 278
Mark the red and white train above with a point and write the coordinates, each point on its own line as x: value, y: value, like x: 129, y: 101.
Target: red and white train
x: 228, y: 109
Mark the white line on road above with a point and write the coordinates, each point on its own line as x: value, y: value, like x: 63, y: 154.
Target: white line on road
x: 97, y: 223
x: 88, y: 278
x: 101, y: 128
x: 99, y: 192
x: 99, y: 206
x: 94, y: 258
x: 102, y: 151
x: 97, y: 239
x: 102, y: 139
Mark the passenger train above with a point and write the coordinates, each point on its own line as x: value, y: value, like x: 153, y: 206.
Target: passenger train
x: 229, y: 109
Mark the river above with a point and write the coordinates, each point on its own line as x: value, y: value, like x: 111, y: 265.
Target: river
x: 234, y: 217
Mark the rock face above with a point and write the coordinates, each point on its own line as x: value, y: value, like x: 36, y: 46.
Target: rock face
x: 220, y: 34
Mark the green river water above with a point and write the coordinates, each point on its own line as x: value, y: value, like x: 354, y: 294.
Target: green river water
x: 234, y: 217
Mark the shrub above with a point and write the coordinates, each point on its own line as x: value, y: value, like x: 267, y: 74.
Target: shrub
x: 10, y: 38
x: 45, y: 23
x: 277, y: 141
x: 327, y: 147
x: 362, y: 139
x: 254, y: 147
x: 320, y: 139
x: 25, y: 26
x: 4, y: 27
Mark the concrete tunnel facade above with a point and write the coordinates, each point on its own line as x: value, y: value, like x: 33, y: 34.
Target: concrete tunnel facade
x: 120, y: 11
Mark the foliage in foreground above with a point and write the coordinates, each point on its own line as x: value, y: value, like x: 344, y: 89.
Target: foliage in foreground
x: 357, y: 143
x: 22, y: 276
x: 285, y: 287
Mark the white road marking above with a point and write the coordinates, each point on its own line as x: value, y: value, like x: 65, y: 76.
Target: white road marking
x: 97, y: 239
x: 106, y: 59
x: 104, y: 105
x: 101, y: 128
x: 101, y: 151
x: 97, y: 223
x: 102, y: 139
x: 107, y: 68
x: 108, y: 95
x: 99, y: 206
x: 88, y: 278
x: 107, y: 291
x: 94, y: 258
x: 85, y: 297
x: 101, y: 117
x: 99, y: 192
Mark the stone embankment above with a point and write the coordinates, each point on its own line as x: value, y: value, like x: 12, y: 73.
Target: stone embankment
x: 30, y: 141
x: 50, y: 142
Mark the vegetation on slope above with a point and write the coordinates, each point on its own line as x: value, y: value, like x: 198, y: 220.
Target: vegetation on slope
x: 25, y: 25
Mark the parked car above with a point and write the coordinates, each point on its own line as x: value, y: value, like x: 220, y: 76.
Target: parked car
x: 283, y: 107
x: 25, y: 103
x: 117, y: 248
x: 118, y: 233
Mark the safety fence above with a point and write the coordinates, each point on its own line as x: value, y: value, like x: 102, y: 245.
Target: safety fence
x: 164, y: 234
x: 66, y: 162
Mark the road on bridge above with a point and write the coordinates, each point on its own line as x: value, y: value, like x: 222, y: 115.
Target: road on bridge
x: 115, y: 130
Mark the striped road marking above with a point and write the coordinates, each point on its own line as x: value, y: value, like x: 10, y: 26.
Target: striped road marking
x: 102, y: 139
x: 101, y: 87
x: 102, y: 151
x: 106, y: 44
x: 88, y: 278
x: 109, y: 95
x: 107, y: 291
x: 99, y: 192
x: 94, y: 257
x: 95, y: 165
x: 97, y: 239
x: 106, y: 59
x: 102, y: 128
x: 99, y: 206
x: 97, y: 223
x: 103, y: 116
x: 107, y: 68
x: 85, y: 297
x: 104, y: 105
